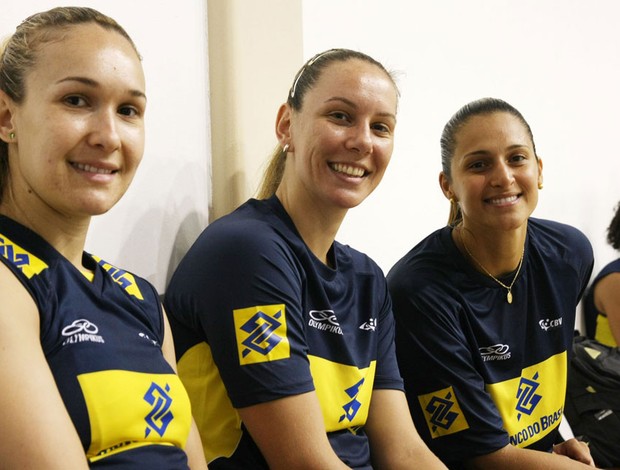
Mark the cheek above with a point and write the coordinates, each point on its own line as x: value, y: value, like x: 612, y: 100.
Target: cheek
x: 134, y: 142
x: 385, y: 153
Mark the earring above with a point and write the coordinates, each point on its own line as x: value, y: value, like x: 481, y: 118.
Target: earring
x: 452, y: 200
x: 285, y: 148
x: 11, y: 135
x: 540, y: 185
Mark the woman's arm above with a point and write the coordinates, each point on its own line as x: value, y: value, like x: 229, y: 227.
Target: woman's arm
x: 193, y: 448
x: 514, y: 458
x: 291, y: 434
x: 607, y: 300
x: 36, y: 430
x: 394, y: 441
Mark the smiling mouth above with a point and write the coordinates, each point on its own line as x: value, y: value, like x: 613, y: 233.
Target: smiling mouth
x: 503, y: 200
x: 92, y: 169
x: 348, y: 170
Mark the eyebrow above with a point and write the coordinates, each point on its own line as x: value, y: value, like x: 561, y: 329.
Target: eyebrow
x: 476, y: 153
x: 93, y: 83
x: 353, y: 105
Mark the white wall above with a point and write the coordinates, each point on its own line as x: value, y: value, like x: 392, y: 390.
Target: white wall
x: 167, y: 205
x: 557, y: 61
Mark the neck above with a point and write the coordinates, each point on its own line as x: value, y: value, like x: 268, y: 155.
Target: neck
x: 316, y: 224
x: 66, y: 235
x: 493, y: 253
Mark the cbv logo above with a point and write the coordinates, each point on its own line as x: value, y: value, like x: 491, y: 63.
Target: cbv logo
x: 548, y: 324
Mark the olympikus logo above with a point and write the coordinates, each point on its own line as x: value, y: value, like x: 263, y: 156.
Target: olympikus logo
x: 81, y: 331
x: 497, y: 352
x: 324, y: 320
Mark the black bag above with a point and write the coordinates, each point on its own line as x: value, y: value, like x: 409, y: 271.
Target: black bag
x: 593, y: 399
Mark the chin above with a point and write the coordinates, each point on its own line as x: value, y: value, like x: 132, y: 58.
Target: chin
x: 349, y: 200
x: 98, y: 207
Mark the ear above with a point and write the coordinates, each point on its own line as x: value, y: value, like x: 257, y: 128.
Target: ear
x: 283, y: 126
x: 7, y: 106
x: 446, y: 187
x: 540, y: 174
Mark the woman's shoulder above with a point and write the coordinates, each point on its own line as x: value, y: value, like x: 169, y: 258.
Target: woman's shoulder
x: 565, y: 237
x: 609, y: 268
x: 426, y: 261
x: 434, y: 247
x: 253, y: 225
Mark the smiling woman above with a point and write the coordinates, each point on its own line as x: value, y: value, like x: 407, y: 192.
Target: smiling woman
x: 284, y: 335
x: 87, y: 358
x: 79, y: 129
x: 485, y: 307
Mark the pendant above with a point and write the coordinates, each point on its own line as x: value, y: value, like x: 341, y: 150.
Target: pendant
x: 509, y: 297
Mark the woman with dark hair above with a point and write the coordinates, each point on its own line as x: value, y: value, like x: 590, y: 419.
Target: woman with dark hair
x: 602, y: 301
x: 485, y: 307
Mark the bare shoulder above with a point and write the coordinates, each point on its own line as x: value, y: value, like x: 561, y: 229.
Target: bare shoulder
x: 18, y: 310
x: 607, y: 293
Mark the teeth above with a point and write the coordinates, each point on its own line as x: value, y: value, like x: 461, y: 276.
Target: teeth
x: 92, y: 169
x: 348, y: 170
x: 503, y: 200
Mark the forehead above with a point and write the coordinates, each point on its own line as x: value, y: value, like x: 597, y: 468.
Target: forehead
x: 355, y: 77
x: 493, y: 129
x: 87, y: 49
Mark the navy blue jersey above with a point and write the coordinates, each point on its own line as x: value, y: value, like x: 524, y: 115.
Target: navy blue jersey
x: 257, y: 317
x: 102, y: 341
x: 597, y: 324
x: 481, y: 373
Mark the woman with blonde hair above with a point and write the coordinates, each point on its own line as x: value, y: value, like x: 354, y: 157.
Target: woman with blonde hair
x: 88, y: 369
x: 284, y: 335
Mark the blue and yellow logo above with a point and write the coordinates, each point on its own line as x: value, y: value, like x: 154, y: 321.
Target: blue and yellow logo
x: 123, y: 278
x: 29, y: 264
x: 442, y: 412
x: 351, y: 408
x: 261, y: 334
x: 531, y: 404
x: 160, y: 415
x: 344, y: 392
x: 527, y: 399
x: 129, y: 409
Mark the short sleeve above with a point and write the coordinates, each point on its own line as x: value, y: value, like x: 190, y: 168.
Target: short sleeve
x: 241, y: 288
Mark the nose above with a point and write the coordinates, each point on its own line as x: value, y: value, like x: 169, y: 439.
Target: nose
x: 502, y: 174
x: 360, y: 139
x: 104, y: 130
